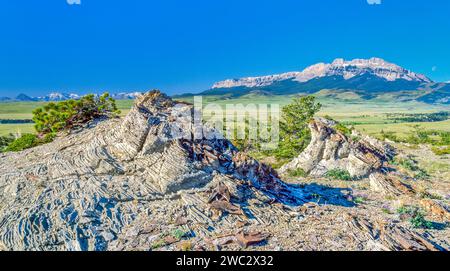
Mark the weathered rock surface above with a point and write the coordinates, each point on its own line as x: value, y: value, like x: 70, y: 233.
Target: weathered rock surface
x: 436, y: 208
x: 80, y: 191
x: 331, y: 149
x: 361, y: 156
x: 386, y: 236
x: 129, y: 184
x: 389, y: 184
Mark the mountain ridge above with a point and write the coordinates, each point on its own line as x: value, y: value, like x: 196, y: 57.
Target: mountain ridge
x: 369, y: 78
x: 348, y: 69
x: 60, y: 96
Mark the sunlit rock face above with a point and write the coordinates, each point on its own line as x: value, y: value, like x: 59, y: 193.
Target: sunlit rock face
x: 331, y: 149
x: 346, y: 69
x: 80, y: 191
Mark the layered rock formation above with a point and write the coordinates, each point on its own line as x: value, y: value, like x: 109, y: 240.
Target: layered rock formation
x: 331, y: 149
x: 361, y: 156
x: 135, y: 184
x: 81, y: 190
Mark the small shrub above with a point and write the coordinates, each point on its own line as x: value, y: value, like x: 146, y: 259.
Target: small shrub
x: 403, y: 210
x: 28, y: 141
x: 343, y: 129
x: 410, y: 164
x: 386, y: 210
x: 178, y: 234
x: 299, y: 172
x: 422, y: 175
x: 355, y: 138
x: 406, y: 163
x: 5, y: 141
x: 444, y: 150
x: 418, y: 221
x: 427, y: 195
x: 416, y: 217
x: 55, y: 117
x: 157, y: 244
x: 339, y: 174
x: 359, y: 200
x: 389, y: 136
x: 25, y: 142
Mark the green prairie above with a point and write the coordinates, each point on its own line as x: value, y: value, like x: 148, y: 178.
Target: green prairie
x: 367, y: 116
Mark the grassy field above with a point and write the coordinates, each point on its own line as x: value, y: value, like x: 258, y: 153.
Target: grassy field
x: 402, y: 129
x: 6, y: 129
x: 367, y: 116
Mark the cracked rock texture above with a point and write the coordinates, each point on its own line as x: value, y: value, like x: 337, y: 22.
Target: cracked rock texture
x: 331, y: 149
x: 80, y: 191
x: 361, y: 156
x: 130, y: 184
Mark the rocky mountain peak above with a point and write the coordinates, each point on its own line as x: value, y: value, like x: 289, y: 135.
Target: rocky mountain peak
x: 339, y: 67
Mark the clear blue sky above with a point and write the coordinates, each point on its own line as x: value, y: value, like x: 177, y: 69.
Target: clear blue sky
x: 183, y: 46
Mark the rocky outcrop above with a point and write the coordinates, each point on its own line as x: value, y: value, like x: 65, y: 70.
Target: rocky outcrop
x: 361, y: 156
x: 331, y: 149
x: 80, y: 191
x: 134, y: 184
x: 436, y: 208
x: 389, y: 184
x: 389, y: 237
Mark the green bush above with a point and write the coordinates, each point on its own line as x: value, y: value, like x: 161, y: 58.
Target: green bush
x: 419, y: 221
x: 359, y: 200
x: 445, y: 138
x: 297, y: 173
x: 339, y: 174
x: 294, y: 133
x: 416, y: 217
x: 178, y: 234
x: 24, y: 142
x: 406, y: 163
x: 5, y: 141
x: 410, y: 164
x: 343, y: 129
x: 55, y: 117
x: 441, y: 150
x: 389, y: 135
x: 422, y: 175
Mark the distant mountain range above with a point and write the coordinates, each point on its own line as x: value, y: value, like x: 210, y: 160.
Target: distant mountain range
x: 364, y: 78
x: 56, y: 96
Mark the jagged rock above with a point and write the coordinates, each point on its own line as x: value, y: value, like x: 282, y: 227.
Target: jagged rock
x: 331, y: 149
x: 83, y: 190
x: 389, y: 185
x: 436, y: 208
x: 389, y: 236
x: 130, y: 184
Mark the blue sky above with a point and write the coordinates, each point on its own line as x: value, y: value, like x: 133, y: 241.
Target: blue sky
x: 184, y: 46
